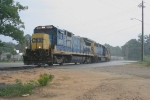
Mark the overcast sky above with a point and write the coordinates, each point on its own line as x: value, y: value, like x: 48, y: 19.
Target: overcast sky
x: 105, y: 21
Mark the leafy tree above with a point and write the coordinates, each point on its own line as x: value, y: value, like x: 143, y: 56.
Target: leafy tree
x: 147, y: 45
x: 1, y: 44
x: 8, y: 56
x: 21, y: 47
x: 28, y: 39
x: 13, y: 52
x: 115, y: 51
x: 132, y: 50
x: 10, y: 22
x: 7, y: 47
x: 0, y: 54
x: 27, y: 36
x: 140, y: 38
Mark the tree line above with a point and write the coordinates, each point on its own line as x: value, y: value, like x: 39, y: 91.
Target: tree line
x: 132, y: 49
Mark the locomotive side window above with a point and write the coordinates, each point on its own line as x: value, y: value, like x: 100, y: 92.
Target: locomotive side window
x: 96, y: 44
x: 88, y: 44
x: 68, y: 34
x: 60, y: 35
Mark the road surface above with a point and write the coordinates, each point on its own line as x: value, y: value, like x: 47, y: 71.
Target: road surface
x: 102, y: 64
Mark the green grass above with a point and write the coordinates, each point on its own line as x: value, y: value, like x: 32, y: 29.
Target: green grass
x: 146, y: 61
x: 18, y: 89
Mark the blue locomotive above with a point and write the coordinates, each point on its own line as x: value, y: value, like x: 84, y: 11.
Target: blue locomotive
x: 51, y: 45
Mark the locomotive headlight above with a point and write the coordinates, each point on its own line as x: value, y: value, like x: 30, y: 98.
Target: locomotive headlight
x: 26, y: 47
x: 39, y: 47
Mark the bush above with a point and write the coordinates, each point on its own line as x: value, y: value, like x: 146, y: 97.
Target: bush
x: 3, y: 59
x: 45, y: 79
x: 17, y: 89
x: 147, y: 60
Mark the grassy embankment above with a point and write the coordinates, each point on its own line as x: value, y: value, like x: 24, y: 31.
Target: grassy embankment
x: 146, y: 61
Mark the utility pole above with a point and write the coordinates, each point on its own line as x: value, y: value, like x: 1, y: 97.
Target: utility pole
x: 142, y: 53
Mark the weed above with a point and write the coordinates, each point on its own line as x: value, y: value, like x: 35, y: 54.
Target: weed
x: 17, y: 89
x: 45, y: 79
x: 146, y: 61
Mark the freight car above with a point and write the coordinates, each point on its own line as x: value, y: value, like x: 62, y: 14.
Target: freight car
x: 51, y: 45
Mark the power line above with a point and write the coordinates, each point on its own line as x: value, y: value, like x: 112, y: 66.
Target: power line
x: 119, y: 31
x: 114, y: 6
x: 116, y: 22
x: 147, y: 3
x: 114, y: 16
x: 104, y: 19
x: 109, y: 16
x: 136, y: 1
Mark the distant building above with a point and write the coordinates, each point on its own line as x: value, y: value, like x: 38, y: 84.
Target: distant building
x: 17, y: 57
x: 117, y: 58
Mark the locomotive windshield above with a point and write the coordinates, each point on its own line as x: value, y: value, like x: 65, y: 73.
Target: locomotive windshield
x: 50, y: 29
x: 47, y: 31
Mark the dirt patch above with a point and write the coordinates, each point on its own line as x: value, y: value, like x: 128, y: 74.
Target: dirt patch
x: 128, y: 82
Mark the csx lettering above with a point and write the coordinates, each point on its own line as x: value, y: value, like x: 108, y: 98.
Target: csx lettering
x: 38, y: 40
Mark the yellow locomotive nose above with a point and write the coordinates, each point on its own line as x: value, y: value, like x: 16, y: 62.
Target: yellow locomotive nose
x: 40, y: 41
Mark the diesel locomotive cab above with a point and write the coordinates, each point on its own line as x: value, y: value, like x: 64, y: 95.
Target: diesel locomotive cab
x: 39, y: 52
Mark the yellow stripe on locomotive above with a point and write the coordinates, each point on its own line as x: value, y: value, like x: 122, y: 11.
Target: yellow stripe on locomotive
x: 92, y: 48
